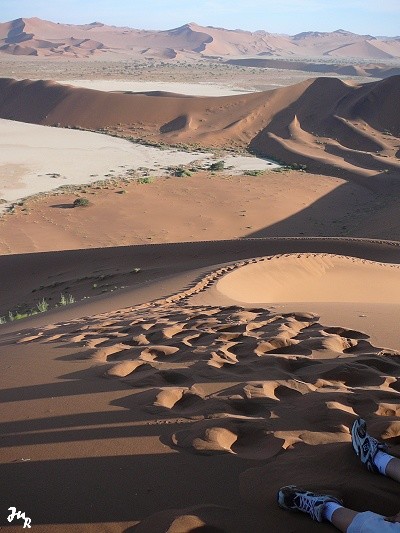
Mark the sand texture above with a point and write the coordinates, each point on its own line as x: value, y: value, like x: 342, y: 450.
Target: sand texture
x: 185, y: 407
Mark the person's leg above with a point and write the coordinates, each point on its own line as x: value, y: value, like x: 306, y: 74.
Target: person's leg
x: 323, y: 507
x: 393, y: 469
x: 372, y: 453
x: 318, y: 506
x: 342, y: 518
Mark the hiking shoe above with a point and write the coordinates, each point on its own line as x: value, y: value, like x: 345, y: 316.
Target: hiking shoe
x: 365, y: 446
x: 294, y: 499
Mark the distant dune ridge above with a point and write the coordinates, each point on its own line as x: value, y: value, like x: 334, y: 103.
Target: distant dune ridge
x: 36, y: 37
x: 332, y: 127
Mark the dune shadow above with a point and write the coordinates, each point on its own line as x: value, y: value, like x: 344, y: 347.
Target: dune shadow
x: 326, y: 217
x: 107, y: 489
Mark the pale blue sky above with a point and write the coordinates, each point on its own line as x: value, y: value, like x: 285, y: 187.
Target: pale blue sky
x: 376, y: 17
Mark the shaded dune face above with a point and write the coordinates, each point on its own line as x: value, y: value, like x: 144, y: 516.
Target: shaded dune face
x: 329, y: 126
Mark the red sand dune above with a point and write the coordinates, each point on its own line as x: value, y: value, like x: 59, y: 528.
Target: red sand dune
x: 33, y: 36
x: 331, y: 127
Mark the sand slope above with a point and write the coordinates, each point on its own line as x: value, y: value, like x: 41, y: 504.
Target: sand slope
x: 313, y: 278
x: 223, y: 403
x: 325, y: 124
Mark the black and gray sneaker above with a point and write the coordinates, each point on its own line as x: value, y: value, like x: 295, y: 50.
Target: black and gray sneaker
x: 296, y: 499
x: 365, y: 446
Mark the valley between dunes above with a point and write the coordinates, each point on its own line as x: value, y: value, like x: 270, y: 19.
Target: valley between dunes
x: 226, y: 330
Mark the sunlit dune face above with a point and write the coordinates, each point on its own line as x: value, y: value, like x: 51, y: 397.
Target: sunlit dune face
x: 313, y: 278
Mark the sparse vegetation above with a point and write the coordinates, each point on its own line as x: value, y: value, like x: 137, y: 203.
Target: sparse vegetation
x: 181, y: 172
x: 145, y: 180
x: 19, y: 316
x: 217, y: 166
x: 42, y: 306
x: 253, y: 172
x: 297, y: 166
x: 81, y: 202
x: 66, y: 299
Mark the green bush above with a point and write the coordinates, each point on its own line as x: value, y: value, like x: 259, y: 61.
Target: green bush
x: 217, y: 166
x: 42, y: 306
x: 66, y: 299
x: 181, y: 172
x: 81, y: 202
x: 254, y: 172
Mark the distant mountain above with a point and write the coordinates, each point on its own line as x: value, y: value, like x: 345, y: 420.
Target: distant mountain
x: 36, y: 37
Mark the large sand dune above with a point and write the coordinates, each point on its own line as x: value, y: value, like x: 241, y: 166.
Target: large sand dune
x: 330, y: 126
x: 36, y: 37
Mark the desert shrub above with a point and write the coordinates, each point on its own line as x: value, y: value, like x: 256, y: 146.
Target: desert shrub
x: 66, y: 299
x: 181, y: 172
x: 18, y: 316
x: 42, y: 306
x: 81, y: 202
x: 145, y: 180
x: 217, y: 166
x: 297, y: 166
x: 254, y: 172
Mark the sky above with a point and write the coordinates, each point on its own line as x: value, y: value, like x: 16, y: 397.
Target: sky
x: 374, y: 17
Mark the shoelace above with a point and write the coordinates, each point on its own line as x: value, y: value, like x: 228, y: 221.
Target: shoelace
x: 308, y: 504
x: 368, y: 448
